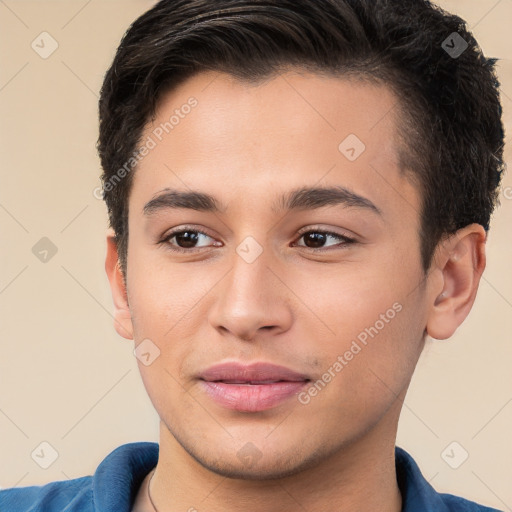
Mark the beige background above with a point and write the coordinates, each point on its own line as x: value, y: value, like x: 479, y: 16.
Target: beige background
x: 68, y: 379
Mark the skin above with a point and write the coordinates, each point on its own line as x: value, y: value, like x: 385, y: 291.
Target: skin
x: 246, y: 145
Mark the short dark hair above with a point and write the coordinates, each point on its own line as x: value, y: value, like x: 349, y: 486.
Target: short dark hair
x: 451, y: 133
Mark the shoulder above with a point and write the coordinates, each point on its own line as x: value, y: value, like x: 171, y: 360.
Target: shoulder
x: 457, y: 504
x: 419, y: 496
x: 72, y: 495
x: 112, y: 487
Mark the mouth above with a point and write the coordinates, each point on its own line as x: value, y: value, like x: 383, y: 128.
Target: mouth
x: 251, y: 388
x: 251, y: 383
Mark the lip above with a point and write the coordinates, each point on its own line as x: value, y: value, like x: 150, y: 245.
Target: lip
x: 251, y: 388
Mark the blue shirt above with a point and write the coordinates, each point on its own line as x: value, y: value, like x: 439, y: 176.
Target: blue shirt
x: 117, y: 479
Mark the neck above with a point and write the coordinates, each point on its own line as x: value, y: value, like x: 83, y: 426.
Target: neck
x: 356, y: 478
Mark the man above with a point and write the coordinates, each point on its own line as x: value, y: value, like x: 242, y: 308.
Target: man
x: 299, y: 193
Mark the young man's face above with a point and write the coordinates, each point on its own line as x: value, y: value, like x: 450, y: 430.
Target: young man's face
x: 348, y: 318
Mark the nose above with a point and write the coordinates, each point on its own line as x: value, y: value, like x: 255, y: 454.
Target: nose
x: 252, y: 299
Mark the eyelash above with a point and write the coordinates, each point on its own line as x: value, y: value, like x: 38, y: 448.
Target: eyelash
x: 166, y: 241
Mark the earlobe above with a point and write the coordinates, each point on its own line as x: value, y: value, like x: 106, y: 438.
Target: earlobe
x: 460, y: 260
x: 122, y: 315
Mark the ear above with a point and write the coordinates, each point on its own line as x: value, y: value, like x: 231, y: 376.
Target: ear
x: 460, y: 261
x: 122, y: 315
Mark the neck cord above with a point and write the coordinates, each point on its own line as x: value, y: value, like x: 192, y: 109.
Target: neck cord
x: 149, y: 493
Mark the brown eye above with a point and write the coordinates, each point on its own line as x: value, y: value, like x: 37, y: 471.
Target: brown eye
x: 186, y: 240
x: 316, y: 239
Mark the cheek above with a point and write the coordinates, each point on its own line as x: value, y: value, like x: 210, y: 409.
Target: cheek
x: 349, y: 300
x: 362, y: 380
x: 374, y: 337
x: 161, y: 302
x: 164, y: 294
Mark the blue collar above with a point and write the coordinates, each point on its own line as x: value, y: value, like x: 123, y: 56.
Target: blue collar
x: 119, y: 476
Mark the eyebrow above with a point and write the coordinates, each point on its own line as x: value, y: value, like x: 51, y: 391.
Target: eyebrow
x: 299, y: 199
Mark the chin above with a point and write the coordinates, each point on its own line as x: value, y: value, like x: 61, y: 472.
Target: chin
x: 251, y: 464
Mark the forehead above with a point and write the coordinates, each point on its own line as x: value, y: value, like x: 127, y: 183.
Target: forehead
x: 295, y: 128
